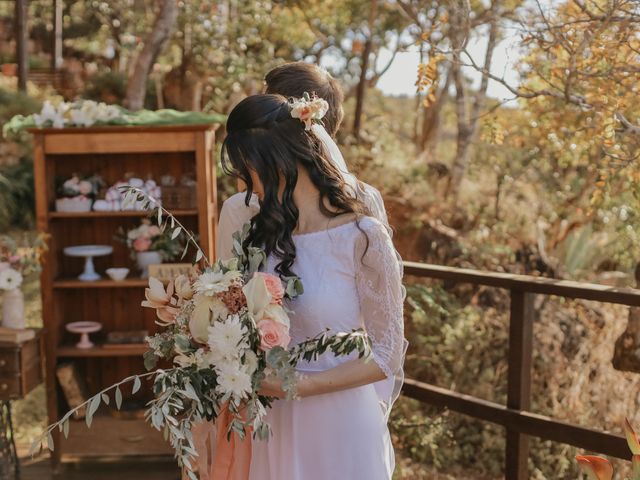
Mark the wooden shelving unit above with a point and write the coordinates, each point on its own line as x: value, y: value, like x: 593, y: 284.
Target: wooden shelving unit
x: 124, y: 213
x: 110, y: 152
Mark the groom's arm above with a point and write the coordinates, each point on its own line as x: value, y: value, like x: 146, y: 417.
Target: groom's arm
x: 233, y: 215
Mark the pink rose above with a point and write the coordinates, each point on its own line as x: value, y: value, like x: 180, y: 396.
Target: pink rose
x: 273, y: 334
x: 141, y: 244
x: 154, y: 231
x: 274, y: 286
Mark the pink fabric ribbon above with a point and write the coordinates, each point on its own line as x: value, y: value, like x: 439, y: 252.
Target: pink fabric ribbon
x: 219, y: 458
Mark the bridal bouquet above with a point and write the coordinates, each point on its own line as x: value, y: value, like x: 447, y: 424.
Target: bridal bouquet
x: 226, y: 328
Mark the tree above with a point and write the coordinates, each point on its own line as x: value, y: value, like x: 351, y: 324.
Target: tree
x: 155, y: 43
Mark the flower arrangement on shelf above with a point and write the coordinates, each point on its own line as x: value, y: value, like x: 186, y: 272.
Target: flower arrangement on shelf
x: 226, y: 328
x: 83, y: 113
x: 88, y: 113
x: 16, y: 263
x: 76, y: 194
x: 151, y: 244
x: 113, y: 197
x: 599, y: 468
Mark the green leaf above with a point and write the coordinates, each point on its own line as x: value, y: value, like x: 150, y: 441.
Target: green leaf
x: 105, y: 398
x: 136, y: 385
x: 35, y: 445
x: 176, y: 232
x: 118, y: 398
x: 199, y: 255
x: 93, y: 407
x: 65, y: 428
x: 50, y: 445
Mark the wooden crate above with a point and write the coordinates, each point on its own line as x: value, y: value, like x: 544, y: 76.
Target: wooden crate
x: 109, y: 152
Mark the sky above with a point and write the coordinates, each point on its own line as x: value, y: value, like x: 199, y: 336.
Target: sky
x: 401, y: 76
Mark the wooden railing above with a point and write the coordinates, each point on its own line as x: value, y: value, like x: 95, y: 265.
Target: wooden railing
x: 518, y: 421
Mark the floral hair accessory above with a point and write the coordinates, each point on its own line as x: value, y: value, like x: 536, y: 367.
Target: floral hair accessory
x: 308, y: 109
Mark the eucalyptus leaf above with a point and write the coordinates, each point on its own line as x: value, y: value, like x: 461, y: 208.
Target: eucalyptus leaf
x: 118, y: 398
x: 136, y: 385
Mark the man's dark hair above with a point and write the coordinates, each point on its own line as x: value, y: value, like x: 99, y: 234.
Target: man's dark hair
x: 295, y: 78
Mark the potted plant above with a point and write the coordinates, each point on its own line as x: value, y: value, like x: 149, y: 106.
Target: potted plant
x: 76, y: 194
x: 15, y: 263
x: 150, y: 245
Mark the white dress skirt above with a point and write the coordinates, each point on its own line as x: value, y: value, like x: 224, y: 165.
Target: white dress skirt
x: 341, y: 435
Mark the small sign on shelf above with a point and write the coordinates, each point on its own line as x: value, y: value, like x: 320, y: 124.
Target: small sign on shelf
x: 165, y: 272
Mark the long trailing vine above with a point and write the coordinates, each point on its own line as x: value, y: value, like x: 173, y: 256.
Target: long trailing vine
x: 165, y: 217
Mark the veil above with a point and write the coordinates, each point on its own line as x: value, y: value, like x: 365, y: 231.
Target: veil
x: 388, y: 389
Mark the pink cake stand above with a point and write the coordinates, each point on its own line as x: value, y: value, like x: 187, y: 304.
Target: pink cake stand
x: 84, y: 329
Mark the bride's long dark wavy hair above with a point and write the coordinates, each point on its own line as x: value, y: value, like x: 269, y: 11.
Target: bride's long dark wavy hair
x: 264, y: 138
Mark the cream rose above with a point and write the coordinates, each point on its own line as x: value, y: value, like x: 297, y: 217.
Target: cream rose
x: 205, y: 310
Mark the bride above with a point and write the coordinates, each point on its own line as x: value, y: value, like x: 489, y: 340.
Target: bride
x: 312, y: 222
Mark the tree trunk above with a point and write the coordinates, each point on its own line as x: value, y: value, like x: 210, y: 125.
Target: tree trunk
x: 431, y: 117
x: 158, y: 38
x: 22, y: 43
x: 467, y: 125
x: 56, y: 50
x: 362, y: 84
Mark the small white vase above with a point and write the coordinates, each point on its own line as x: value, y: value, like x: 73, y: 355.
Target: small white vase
x: 145, y: 259
x: 13, y: 309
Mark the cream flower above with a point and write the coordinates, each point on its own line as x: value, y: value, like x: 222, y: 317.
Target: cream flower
x: 228, y: 338
x: 308, y: 109
x: 10, y: 279
x: 258, y: 296
x: 210, y: 283
x: 275, y: 312
x: 233, y: 380
x: 183, y: 287
x: 156, y: 295
x: 250, y: 361
x: 205, y: 311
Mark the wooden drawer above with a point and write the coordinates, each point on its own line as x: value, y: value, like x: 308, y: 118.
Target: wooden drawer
x: 10, y: 387
x: 20, y: 368
x: 9, y: 361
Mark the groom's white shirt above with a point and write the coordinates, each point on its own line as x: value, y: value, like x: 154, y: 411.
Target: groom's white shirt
x: 234, y: 214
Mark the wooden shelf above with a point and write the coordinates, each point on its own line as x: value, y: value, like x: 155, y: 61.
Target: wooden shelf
x: 102, y: 283
x: 112, y: 437
x: 119, y: 213
x: 128, y: 350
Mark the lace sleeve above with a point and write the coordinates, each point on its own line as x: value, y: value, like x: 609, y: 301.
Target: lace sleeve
x: 381, y: 296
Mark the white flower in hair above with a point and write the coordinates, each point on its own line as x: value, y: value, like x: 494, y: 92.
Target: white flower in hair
x: 308, y: 109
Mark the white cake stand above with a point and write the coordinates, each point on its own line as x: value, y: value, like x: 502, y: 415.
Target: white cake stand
x: 88, y: 252
x: 84, y: 328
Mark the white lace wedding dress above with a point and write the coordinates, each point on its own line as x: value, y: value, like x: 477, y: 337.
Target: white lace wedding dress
x: 340, y: 435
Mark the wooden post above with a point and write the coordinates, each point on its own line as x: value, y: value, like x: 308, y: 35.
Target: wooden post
x: 56, y: 47
x: 519, y: 380
x: 22, y: 39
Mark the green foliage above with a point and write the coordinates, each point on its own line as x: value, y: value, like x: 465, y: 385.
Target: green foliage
x: 453, y: 344
x: 106, y: 86
x: 17, y: 200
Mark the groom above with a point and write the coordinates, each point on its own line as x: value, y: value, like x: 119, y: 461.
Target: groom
x: 289, y: 80
x: 292, y: 80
